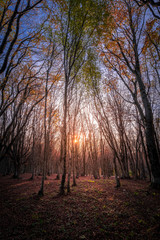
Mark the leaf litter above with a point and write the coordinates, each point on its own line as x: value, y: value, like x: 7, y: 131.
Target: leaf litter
x: 93, y: 210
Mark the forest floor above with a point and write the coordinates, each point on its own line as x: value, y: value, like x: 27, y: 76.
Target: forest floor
x: 95, y: 209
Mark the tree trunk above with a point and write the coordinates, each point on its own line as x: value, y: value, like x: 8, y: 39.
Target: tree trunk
x: 68, y: 184
x: 116, y: 173
x: 145, y: 154
x: 153, y: 155
x: 150, y: 136
x: 64, y: 136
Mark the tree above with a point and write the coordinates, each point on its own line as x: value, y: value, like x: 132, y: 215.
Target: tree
x: 20, y: 90
x: 152, y: 5
x: 79, y: 21
x: 16, y: 85
x: 10, y: 29
x: 122, y: 54
x: 49, y: 64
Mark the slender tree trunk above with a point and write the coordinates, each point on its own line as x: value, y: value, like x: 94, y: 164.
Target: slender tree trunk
x: 64, y: 136
x: 74, y: 177
x: 41, y: 191
x: 69, y: 176
x: 33, y: 150
x: 116, y: 172
x: 84, y: 163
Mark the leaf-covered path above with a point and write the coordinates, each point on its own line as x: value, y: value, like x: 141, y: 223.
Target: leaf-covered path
x: 95, y: 209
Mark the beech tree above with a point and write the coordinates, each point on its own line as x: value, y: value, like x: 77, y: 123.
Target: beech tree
x: 79, y: 21
x: 122, y: 53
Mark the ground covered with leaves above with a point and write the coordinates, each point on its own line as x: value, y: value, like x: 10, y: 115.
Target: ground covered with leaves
x: 95, y: 209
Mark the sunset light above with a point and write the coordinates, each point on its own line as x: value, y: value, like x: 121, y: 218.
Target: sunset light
x: 79, y: 119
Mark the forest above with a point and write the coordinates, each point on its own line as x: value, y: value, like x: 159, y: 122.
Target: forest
x: 80, y: 119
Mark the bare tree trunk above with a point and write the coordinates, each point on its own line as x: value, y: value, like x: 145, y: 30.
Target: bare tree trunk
x: 33, y: 148
x: 74, y: 175
x: 64, y: 139
x: 41, y: 191
x: 145, y: 154
x: 116, y: 173
x: 69, y: 176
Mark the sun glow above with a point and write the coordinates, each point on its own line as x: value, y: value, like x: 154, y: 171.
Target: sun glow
x: 75, y: 141
x: 79, y: 138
